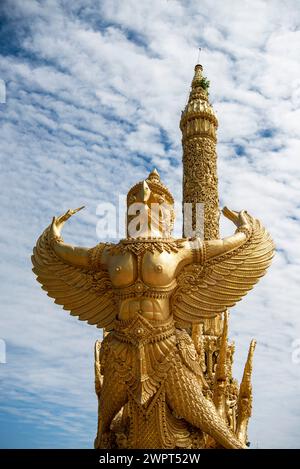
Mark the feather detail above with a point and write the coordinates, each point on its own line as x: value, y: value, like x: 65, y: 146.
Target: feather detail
x: 223, y: 281
x: 86, y: 293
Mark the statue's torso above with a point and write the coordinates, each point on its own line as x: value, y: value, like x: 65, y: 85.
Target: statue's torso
x: 144, y: 282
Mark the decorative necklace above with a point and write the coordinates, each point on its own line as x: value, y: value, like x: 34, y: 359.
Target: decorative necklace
x: 140, y: 245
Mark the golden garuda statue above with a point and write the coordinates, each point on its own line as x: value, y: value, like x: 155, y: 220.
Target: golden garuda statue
x: 163, y: 368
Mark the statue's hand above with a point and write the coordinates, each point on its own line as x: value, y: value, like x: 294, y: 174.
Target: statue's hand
x: 58, y: 222
x: 240, y: 219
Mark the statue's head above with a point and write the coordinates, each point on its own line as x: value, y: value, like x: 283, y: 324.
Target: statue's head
x: 150, y: 209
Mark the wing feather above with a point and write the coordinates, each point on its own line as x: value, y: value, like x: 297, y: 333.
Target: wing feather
x: 85, y: 293
x: 224, y: 280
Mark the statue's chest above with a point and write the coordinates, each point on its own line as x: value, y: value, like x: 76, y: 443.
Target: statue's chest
x: 155, y: 269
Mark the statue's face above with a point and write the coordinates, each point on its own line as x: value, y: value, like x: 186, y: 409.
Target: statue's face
x: 149, y: 215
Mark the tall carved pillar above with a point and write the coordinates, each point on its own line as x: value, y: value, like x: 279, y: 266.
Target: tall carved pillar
x: 198, y: 125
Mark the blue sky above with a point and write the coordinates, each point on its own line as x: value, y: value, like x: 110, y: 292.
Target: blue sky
x: 94, y: 91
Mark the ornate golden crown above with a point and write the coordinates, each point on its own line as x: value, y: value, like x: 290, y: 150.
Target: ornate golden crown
x: 155, y: 185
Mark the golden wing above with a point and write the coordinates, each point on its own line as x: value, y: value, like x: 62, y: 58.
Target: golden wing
x: 86, y: 293
x: 206, y: 291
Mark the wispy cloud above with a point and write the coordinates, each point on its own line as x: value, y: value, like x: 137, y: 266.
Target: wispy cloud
x: 94, y: 91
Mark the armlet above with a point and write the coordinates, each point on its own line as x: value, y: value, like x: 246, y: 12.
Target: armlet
x: 95, y: 255
x: 199, y: 251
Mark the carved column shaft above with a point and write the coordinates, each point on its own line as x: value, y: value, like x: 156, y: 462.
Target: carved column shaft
x: 200, y: 182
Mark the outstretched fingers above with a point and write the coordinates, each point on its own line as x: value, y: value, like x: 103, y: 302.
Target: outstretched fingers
x: 69, y: 213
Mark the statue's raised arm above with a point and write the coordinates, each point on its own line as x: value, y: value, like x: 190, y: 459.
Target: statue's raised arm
x: 74, y: 276
x: 78, y: 256
x: 217, y: 247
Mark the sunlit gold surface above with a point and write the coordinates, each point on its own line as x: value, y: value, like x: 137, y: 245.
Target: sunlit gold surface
x: 160, y: 381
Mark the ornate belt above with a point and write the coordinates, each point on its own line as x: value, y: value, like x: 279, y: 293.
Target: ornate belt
x: 139, y: 331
